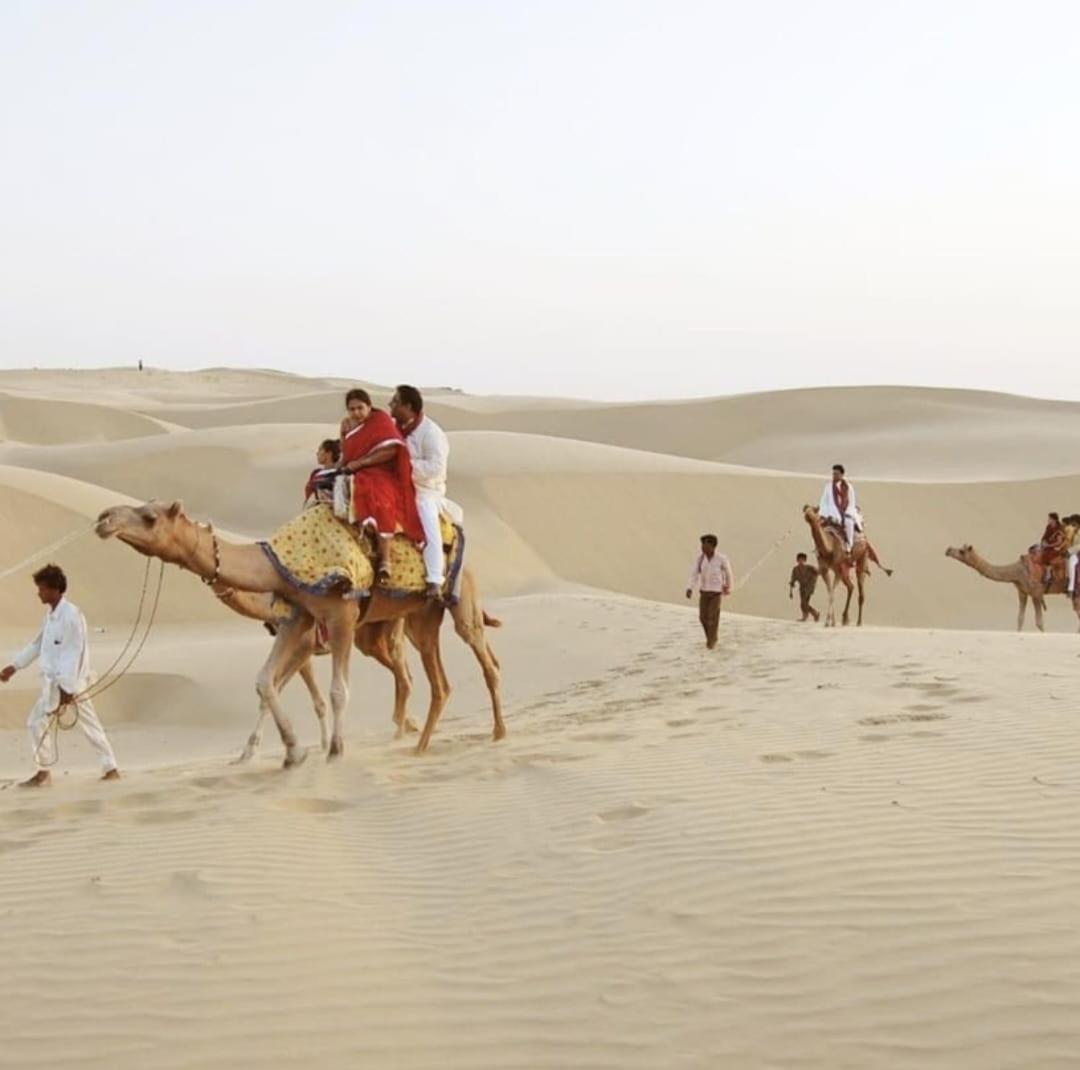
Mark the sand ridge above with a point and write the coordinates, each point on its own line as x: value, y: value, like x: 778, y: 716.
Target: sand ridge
x: 808, y: 849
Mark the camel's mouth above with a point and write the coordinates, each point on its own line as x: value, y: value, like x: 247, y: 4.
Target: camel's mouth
x: 105, y: 527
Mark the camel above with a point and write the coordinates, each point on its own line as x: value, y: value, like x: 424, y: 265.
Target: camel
x: 164, y: 531
x: 383, y: 642
x: 1021, y: 574
x: 835, y: 564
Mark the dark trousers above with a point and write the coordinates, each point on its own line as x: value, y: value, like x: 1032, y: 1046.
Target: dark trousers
x: 709, y: 615
x: 804, y: 604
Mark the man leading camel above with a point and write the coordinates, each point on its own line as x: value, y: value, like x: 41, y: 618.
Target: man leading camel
x: 429, y: 449
x: 65, y: 674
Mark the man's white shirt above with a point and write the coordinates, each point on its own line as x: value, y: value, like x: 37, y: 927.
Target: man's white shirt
x: 429, y: 449
x: 62, y: 650
x: 830, y: 510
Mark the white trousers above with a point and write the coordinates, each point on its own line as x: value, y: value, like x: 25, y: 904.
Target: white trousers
x: 428, y: 506
x: 849, y: 531
x: 43, y: 740
x: 1072, y: 571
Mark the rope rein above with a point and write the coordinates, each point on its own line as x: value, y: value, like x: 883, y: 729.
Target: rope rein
x: 764, y: 557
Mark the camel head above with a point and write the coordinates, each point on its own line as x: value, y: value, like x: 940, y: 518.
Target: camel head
x: 965, y: 554
x: 156, y: 529
x: 810, y: 513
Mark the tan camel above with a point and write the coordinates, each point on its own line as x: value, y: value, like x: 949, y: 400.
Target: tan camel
x: 166, y: 532
x: 384, y: 642
x: 835, y: 564
x: 1020, y: 574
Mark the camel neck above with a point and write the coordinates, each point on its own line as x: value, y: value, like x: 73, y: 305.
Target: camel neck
x: 1002, y: 573
x: 230, y: 565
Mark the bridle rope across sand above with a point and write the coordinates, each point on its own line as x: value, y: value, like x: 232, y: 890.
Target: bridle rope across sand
x: 764, y: 557
x: 78, y: 533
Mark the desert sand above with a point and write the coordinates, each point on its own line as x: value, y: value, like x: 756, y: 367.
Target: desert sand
x: 810, y: 848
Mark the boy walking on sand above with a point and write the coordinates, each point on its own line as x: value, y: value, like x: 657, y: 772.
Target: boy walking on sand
x: 713, y: 575
x: 805, y: 576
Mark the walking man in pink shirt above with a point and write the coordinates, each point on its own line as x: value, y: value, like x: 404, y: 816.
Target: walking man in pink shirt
x: 713, y: 576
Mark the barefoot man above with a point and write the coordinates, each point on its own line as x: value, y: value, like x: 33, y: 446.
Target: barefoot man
x: 65, y: 672
x: 712, y: 574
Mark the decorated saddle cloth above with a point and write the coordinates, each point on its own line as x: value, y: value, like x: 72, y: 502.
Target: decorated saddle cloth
x: 318, y: 553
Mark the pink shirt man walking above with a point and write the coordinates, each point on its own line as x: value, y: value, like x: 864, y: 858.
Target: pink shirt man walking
x: 712, y: 575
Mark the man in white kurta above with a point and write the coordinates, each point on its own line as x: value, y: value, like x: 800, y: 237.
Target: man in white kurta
x: 429, y: 449
x: 64, y: 664
x: 838, y: 504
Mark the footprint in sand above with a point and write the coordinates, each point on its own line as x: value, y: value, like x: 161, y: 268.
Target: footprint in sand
x: 311, y: 806
x: 623, y: 813
x: 776, y: 758
x: 680, y: 722
x: 875, y: 737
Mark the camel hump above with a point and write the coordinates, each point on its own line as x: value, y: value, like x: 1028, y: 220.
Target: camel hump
x: 490, y: 621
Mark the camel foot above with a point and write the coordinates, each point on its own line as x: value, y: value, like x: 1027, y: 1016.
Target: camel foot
x: 294, y: 756
x: 247, y: 753
x: 499, y: 733
x: 420, y: 747
x: 337, y: 749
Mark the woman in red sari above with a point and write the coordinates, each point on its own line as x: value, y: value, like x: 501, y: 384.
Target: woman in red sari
x: 384, y: 500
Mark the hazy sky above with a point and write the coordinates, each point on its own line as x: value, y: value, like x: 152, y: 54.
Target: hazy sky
x: 590, y: 197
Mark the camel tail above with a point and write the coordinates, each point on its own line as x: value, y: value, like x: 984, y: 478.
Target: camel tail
x: 490, y: 621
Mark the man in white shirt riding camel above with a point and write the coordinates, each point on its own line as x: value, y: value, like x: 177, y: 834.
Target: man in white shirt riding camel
x: 429, y: 449
x: 838, y: 504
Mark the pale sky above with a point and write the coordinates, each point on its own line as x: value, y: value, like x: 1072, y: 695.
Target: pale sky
x: 627, y: 199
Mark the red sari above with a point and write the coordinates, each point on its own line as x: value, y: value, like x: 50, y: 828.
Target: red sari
x: 383, y: 493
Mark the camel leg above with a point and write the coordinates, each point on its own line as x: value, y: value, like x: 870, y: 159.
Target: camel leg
x: 318, y: 703
x: 383, y: 642
x: 860, y: 578
x: 342, y: 628
x: 299, y: 662
x: 1039, y: 604
x: 423, y: 629
x: 471, y: 630
x: 830, y: 586
x: 289, y: 640
x: 1022, y: 597
x: 846, y: 580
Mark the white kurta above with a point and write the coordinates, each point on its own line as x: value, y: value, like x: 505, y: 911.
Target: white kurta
x: 829, y: 510
x: 64, y: 656
x: 429, y: 449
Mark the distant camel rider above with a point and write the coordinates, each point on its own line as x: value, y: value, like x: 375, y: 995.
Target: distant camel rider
x: 838, y: 504
x: 1072, y: 548
x: 1051, y: 547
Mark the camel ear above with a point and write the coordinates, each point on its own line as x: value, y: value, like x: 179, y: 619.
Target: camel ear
x: 174, y: 510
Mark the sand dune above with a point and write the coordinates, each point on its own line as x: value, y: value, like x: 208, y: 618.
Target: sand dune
x: 819, y: 849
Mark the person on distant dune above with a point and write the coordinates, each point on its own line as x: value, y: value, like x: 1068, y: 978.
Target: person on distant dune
x: 713, y: 575
x: 384, y: 499
x: 65, y: 674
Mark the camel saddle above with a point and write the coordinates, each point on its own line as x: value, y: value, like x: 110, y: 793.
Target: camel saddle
x: 318, y: 553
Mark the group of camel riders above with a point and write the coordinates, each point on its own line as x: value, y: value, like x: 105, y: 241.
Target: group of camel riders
x: 398, y: 463
x: 1058, y: 551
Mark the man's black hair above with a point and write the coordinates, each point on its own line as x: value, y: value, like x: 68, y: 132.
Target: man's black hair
x: 800, y: 557
x: 51, y: 576
x: 839, y: 468
x: 411, y: 396
x: 710, y: 540
x: 333, y: 447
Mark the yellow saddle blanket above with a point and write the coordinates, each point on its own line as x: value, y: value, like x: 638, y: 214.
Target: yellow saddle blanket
x: 317, y: 553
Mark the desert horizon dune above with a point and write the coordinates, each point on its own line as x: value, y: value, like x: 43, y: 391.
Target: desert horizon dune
x: 810, y: 848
